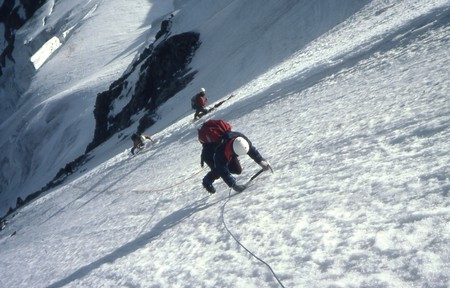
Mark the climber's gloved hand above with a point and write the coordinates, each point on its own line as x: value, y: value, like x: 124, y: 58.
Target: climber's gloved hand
x: 265, y: 165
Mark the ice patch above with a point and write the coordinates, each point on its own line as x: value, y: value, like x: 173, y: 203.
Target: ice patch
x: 45, y: 52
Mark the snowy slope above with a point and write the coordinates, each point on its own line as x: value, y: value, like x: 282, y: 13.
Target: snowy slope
x: 87, y: 62
x: 355, y: 121
x: 54, y: 119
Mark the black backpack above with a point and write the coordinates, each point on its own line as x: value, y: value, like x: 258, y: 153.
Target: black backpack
x: 134, y: 137
x: 194, y: 101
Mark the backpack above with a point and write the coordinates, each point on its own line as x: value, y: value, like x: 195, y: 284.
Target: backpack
x: 198, y: 100
x: 134, y: 137
x: 194, y: 100
x: 212, y: 131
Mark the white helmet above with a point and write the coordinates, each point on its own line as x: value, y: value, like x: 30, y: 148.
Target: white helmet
x: 240, y: 146
x: 202, y: 90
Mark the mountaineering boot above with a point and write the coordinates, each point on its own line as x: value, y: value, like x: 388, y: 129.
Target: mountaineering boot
x: 209, y: 187
x: 238, y: 188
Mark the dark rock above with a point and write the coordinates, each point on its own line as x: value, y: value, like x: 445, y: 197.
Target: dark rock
x: 163, y: 72
x: 10, y: 17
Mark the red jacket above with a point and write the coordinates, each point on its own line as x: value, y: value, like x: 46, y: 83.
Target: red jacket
x: 201, y: 101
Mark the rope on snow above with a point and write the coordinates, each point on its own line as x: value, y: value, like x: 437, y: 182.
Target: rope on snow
x: 169, y: 187
x: 242, y: 245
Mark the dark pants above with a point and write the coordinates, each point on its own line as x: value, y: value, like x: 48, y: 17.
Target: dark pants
x: 234, y: 166
x: 200, y: 112
x: 137, y: 144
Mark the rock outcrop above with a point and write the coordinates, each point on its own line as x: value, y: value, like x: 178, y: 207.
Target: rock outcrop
x: 160, y: 71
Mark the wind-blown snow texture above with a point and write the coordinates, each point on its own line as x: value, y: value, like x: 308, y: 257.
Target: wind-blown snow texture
x: 350, y: 103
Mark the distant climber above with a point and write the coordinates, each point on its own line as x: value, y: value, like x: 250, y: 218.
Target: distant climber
x: 198, y: 102
x: 221, y: 150
x: 138, y: 141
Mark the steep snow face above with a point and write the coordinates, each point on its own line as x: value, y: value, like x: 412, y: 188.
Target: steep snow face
x: 54, y: 122
x: 356, y: 126
x: 246, y: 41
x: 13, y: 14
x: 238, y: 44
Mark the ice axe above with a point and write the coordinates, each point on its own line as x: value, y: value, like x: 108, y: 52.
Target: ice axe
x: 259, y: 173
